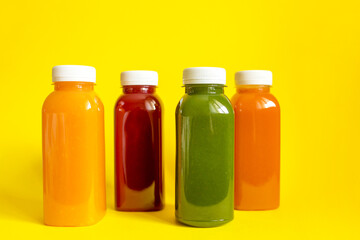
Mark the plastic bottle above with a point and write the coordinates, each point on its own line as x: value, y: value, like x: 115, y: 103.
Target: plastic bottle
x: 73, y: 149
x: 138, y: 144
x: 257, y: 142
x: 204, y: 150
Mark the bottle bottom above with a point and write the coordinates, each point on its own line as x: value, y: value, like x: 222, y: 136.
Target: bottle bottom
x: 152, y: 209
x: 204, y: 224
x: 89, y: 222
x: 241, y: 208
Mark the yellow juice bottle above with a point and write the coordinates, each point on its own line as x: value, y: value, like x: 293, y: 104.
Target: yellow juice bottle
x: 73, y: 149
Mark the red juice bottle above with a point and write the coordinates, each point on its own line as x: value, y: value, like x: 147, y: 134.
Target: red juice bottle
x: 138, y: 144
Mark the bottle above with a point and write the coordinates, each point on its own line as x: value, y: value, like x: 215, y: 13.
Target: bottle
x: 204, y: 150
x: 73, y: 149
x: 138, y: 144
x: 257, y: 142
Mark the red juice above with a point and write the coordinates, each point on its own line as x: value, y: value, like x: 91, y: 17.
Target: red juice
x: 138, y: 144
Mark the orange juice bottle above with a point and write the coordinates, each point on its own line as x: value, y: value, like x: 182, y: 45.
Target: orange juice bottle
x: 257, y: 142
x: 73, y: 149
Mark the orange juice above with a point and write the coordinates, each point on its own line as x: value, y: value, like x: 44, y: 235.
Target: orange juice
x: 257, y: 142
x: 73, y: 149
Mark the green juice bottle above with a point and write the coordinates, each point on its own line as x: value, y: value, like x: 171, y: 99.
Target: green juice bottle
x: 204, y: 150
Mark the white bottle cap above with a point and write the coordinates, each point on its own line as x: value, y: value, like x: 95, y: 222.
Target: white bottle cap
x: 139, y: 78
x: 253, y: 77
x: 73, y: 73
x: 204, y: 75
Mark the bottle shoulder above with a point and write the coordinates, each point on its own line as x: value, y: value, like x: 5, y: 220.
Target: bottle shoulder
x: 254, y: 100
x: 204, y: 104
x: 61, y: 101
x: 148, y: 102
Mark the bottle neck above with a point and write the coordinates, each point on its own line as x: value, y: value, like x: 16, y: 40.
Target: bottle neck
x: 139, y: 89
x: 192, y: 89
x: 253, y: 89
x: 74, y: 86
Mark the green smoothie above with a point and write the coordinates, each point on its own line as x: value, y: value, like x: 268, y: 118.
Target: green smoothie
x: 204, y: 157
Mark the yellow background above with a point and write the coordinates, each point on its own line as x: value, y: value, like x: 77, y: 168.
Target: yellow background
x: 312, y: 47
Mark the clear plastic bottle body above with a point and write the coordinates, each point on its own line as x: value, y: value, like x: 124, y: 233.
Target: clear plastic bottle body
x: 257, y: 148
x: 138, y: 150
x: 204, y: 156
x: 73, y: 155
